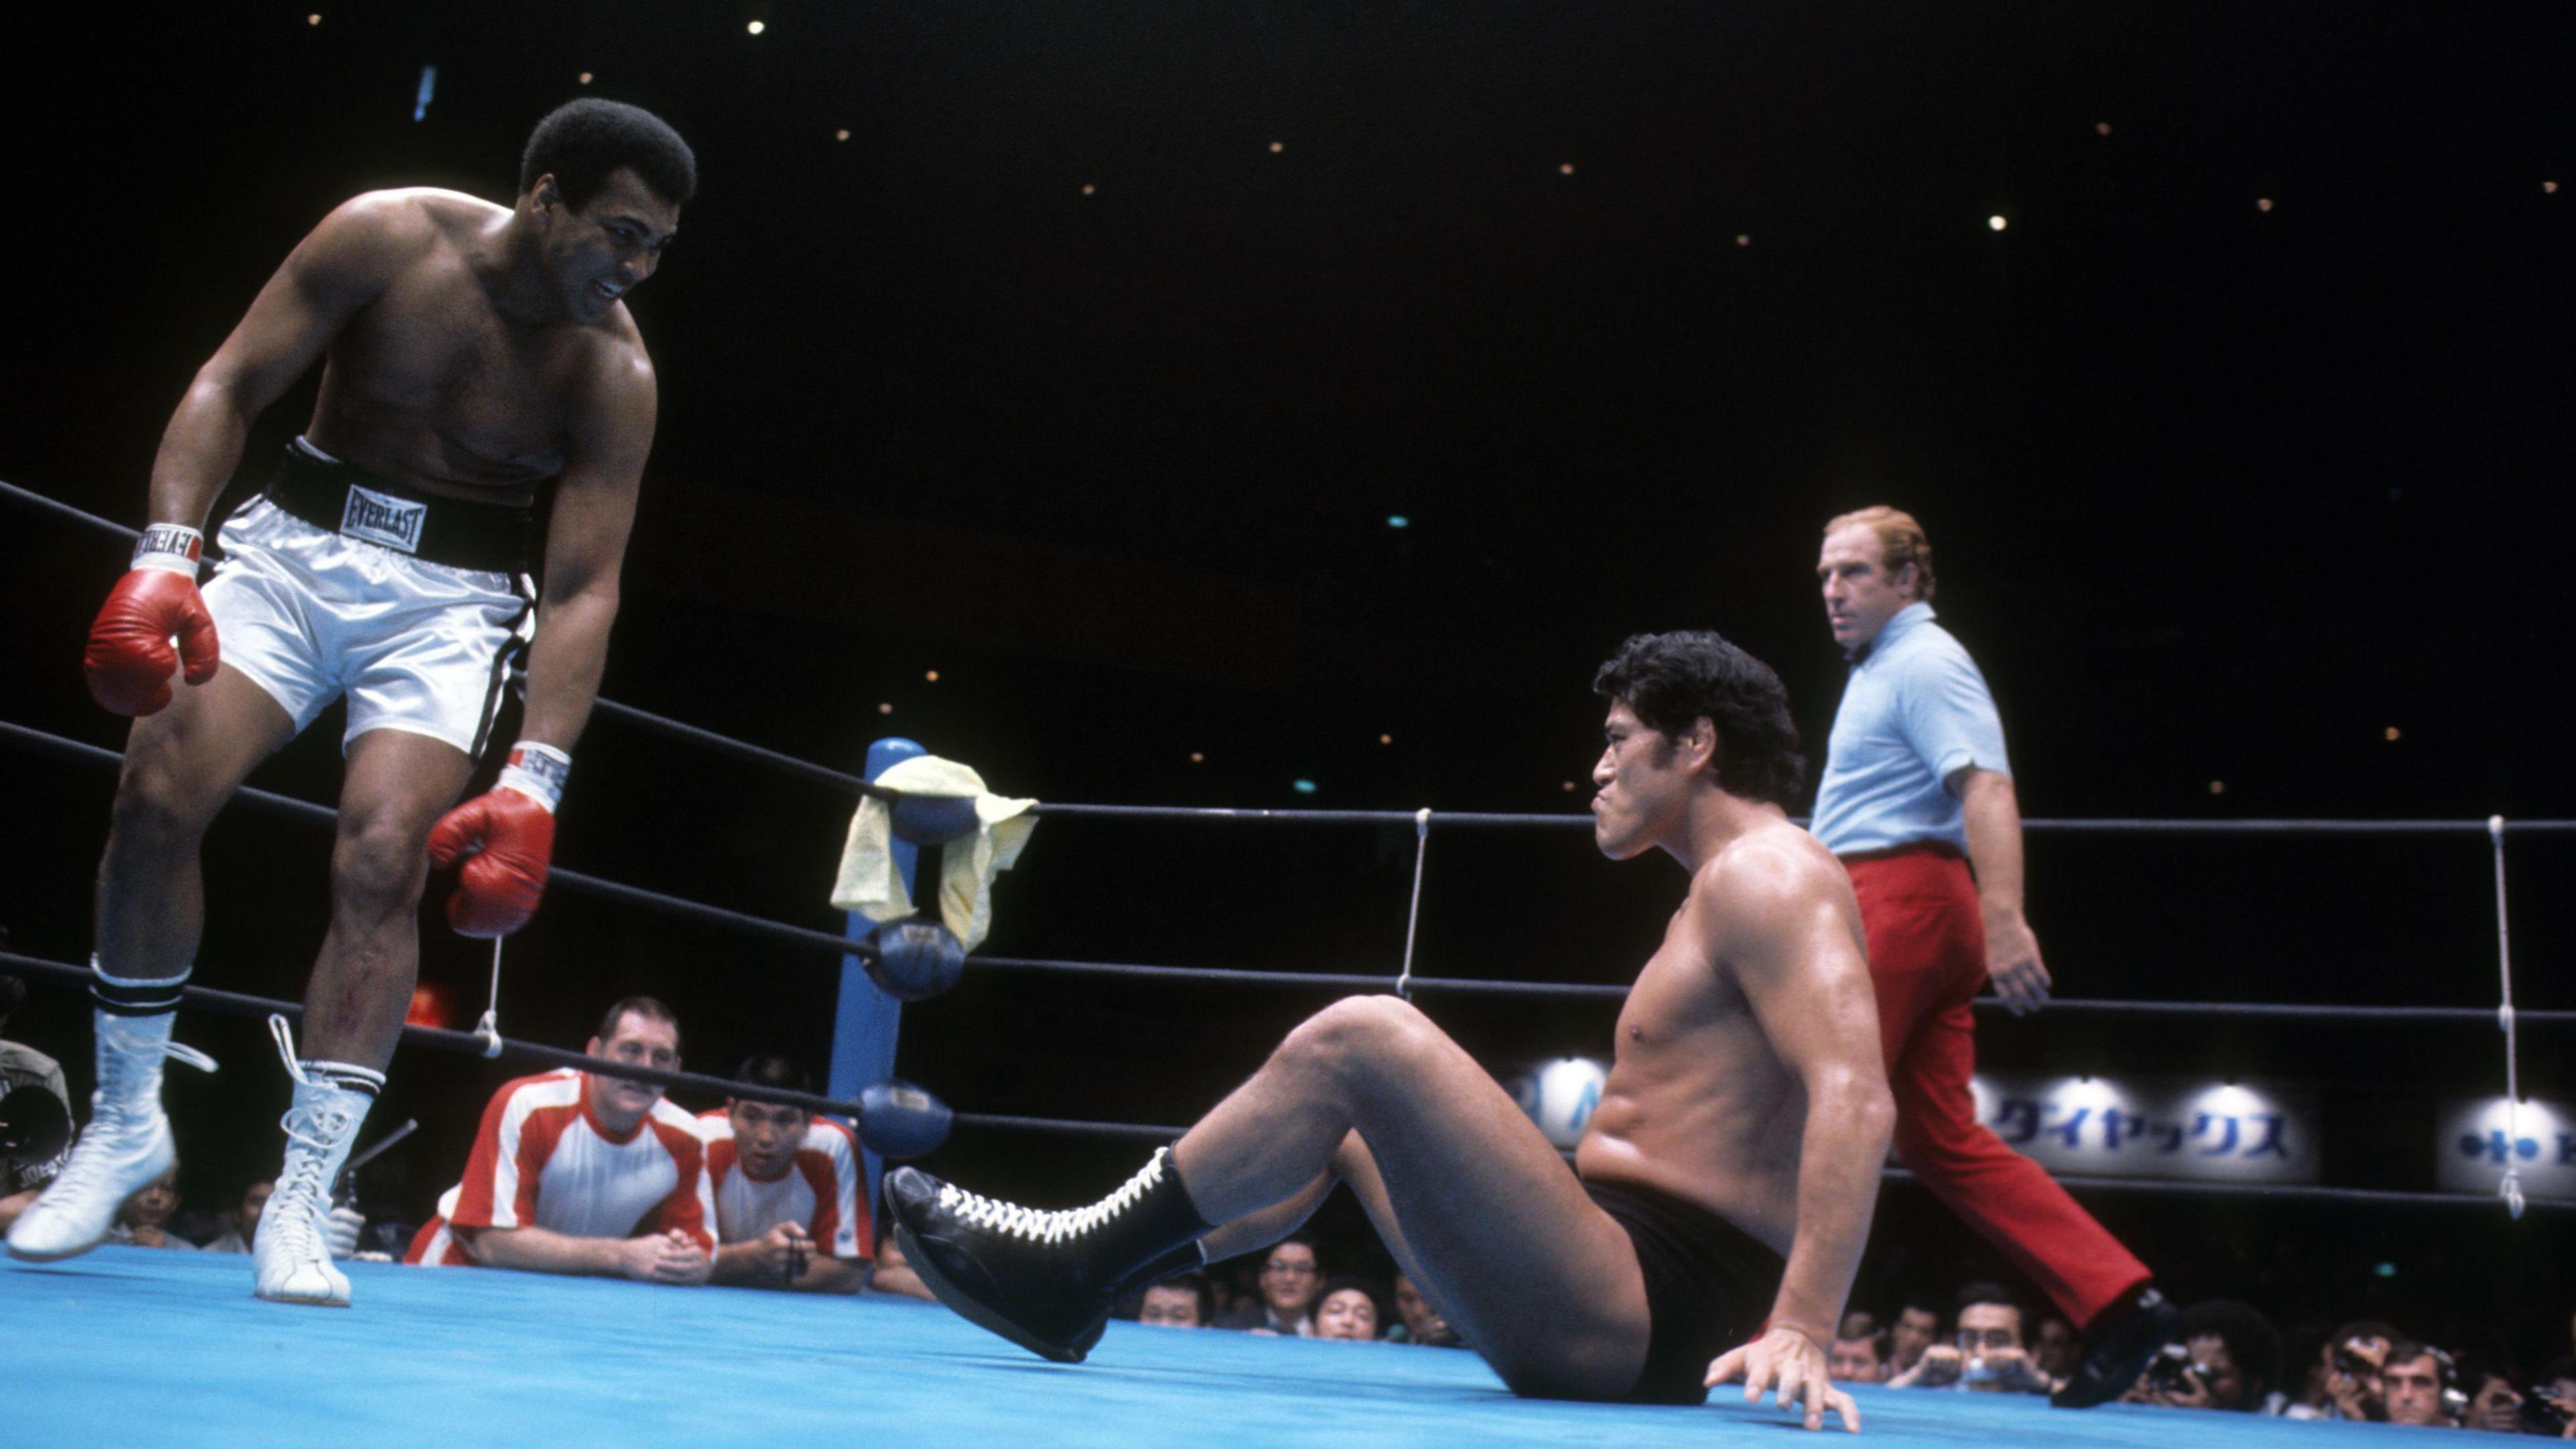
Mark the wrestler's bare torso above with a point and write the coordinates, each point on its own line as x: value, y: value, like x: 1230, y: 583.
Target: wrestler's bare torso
x: 458, y: 377
x: 1698, y: 1103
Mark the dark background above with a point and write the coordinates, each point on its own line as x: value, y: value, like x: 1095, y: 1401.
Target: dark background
x: 2220, y: 494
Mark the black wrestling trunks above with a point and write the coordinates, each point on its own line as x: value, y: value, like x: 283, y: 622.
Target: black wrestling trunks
x: 1709, y: 1286
x: 332, y: 495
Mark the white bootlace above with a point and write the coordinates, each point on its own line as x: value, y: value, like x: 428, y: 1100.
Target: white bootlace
x: 1050, y: 1226
x: 316, y: 1127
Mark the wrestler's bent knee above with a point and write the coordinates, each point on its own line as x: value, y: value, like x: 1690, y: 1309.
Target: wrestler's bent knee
x: 1359, y: 1035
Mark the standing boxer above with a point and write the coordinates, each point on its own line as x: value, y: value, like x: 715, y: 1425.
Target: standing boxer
x: 474, y: 355
x: 1916, y: 791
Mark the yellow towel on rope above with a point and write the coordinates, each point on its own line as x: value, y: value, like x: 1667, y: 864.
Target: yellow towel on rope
x: 870, y: 884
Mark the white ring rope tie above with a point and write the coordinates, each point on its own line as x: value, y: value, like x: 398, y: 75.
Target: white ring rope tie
x: 1413, y: 917
x: 2510, y: 1189
x: 489, y: 1028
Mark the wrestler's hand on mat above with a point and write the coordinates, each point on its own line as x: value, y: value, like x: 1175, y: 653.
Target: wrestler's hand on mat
x: 1794, y: 1364
x: 2013, y: 964
x: 130, y: 658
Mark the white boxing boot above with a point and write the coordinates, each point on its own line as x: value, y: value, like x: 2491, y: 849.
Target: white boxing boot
x: 291, y: 1257
x: 125, y: 1146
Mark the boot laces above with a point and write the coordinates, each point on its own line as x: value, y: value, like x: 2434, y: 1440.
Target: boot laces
x: 1048, y: 1226
x: 304, y: 1189
x: 117, y: 1103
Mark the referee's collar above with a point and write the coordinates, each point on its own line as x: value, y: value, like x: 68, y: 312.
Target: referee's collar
x: 1897, y: 626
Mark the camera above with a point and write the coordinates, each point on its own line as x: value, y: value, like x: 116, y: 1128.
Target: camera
x: 2172, y: 1371
x: 2542, y: 1414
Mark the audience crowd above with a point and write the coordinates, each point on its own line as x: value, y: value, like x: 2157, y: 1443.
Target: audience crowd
x: 578, y: 1173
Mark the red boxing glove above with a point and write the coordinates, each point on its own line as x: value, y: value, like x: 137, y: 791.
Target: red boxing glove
x: 130, y: 658
x: 505, y: 839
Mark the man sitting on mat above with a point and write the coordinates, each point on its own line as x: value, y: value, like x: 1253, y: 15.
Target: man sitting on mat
x: 1745, y: 1118
x: 573, y: 1172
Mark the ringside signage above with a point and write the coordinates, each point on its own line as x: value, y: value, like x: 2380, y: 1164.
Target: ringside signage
x: 2475, y: 1139
x: 2117, y: 1127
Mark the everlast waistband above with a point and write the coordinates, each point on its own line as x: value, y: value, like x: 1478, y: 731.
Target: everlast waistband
x: 330, y: 494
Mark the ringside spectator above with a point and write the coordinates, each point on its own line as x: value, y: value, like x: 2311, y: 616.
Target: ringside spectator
x: 2554, y: 1389
x: 143, y: 1221
x: 2223, y: 1355
x: 893, y: 1274
x: 24, y: 1067
x: 1182, y: 1302
x: 1917, y: 1326
x: 246, y: 1210
x: 2056, y: 1347
x: 2494, y: 1404
x: 1421, y: 1323
x: 2414, y: 1384
x: 1855, y: 1359
x: 1291, y: 1280
x: 1986, y: 1353
x: 1348, y: 1309
x: 790, y: 1211
x: 2348, y: 1385
x: 579, y: 1172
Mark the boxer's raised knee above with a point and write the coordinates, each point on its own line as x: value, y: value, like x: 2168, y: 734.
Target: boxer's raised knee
x: 161, y: 803
x: 380, y: 864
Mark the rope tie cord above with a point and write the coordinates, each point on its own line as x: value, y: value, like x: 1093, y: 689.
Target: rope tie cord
x: 489, y: 1027
x: 2510, y: 1186
x: 1413, y: 917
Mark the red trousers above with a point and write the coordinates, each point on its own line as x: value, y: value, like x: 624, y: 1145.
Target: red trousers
x: 1927, y: 956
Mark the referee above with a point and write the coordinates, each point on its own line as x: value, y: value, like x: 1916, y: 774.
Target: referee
x: 1917, y: 800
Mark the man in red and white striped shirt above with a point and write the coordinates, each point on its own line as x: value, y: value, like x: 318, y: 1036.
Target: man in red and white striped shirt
x: 578, y: 1173
x: 790, y: 1212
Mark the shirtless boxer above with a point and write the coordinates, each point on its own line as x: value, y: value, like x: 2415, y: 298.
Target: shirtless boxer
x: 1745, y: 1118
x: 474, y: 354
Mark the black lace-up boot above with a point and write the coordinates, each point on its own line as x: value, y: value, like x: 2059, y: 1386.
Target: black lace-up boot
x: 1043, y: 1279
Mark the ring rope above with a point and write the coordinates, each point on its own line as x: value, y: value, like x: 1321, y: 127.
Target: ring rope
x: 232, y: 1003
x: 826, y: 941
x: 466, y: 1043
x: 853, y: 784
x: 2510, y: 1186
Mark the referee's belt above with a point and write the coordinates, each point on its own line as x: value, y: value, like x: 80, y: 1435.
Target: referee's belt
x: 331, y: 495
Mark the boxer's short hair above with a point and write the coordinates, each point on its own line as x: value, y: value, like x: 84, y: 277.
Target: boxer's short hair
x: 1670, y: 680
x: 580, y: 143
x: 1901, y: 541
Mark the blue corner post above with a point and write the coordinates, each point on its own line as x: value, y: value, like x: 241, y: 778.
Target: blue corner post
x: 864, y: 1025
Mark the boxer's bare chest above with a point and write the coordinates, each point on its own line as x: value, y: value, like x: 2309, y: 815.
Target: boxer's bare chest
x: 433, y: 385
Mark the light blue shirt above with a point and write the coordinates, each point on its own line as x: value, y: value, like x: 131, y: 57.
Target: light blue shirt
x: 1914, y: 712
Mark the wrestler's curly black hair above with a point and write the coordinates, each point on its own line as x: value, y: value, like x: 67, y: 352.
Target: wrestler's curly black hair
x: 581, y: 142
x: 1672, y: 679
